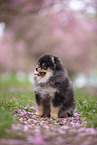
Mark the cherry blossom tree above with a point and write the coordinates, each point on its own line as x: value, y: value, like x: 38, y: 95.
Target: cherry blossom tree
x: 64, y: 28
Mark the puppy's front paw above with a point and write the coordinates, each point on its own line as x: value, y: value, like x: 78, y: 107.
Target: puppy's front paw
x: 54, y: 112
x: 54, y: 115
x: 38, y: 113
x: 39, y: 110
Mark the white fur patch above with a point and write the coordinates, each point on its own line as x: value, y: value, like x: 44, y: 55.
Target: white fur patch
x: 45, y: 90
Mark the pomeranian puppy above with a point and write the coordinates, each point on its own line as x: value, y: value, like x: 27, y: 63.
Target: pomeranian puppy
x: 54, y: 94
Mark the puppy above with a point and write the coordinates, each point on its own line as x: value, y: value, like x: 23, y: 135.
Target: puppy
x: 54, y: 94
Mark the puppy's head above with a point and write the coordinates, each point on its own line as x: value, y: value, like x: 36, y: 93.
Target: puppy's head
x: 47, y: 63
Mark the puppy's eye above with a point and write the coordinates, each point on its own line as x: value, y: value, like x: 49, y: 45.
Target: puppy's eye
x: 44, y: 67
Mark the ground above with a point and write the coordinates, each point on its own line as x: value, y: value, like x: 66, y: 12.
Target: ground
x: 19, y: 124
x: 31, y: 129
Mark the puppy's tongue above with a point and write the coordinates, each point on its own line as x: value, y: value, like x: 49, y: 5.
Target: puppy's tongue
x: 40, y: 73
x: 37, y: 73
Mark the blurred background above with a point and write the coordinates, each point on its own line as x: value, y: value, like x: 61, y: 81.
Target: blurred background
x: 66, y: 28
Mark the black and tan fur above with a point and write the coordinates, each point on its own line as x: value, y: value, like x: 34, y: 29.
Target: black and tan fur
x: 53, y: 89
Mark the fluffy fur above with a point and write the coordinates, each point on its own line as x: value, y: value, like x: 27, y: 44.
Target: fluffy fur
x: 53, y: 89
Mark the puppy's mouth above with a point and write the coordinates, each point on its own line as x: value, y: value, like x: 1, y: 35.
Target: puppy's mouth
x: 41, y: 72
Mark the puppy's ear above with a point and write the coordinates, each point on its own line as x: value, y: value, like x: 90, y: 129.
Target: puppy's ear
x: 56, y: 59
x: 53, y: 59
x: 57, y: 63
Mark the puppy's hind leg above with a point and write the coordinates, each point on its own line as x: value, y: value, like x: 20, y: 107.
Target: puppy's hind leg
x: 65, y: 113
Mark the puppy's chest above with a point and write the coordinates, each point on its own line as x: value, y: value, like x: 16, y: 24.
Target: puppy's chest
x: 45, y: 90
x: 42, y: 86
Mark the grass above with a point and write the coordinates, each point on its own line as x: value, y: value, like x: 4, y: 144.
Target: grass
x: 15, y: 95
x: 11, y: 99
x: 87, y: 105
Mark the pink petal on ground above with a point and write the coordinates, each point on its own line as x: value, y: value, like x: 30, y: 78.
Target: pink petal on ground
x: 61, y: 131
x: 91, y: 131
x: 64, y: 127
x: 81, y: 129
x: 39, y: 140
x: 25, y: 128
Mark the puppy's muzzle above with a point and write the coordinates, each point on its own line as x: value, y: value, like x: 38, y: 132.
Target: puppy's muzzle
x: 38, y: 69
x: 40, y: 72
